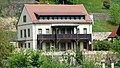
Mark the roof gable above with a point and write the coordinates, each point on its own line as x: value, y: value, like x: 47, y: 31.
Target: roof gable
x: 114, y: 32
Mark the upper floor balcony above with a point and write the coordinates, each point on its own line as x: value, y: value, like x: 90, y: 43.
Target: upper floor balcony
x: 64, y: 37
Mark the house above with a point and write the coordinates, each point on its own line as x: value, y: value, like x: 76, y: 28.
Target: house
x: 62, y: 27
x: 115, y: 33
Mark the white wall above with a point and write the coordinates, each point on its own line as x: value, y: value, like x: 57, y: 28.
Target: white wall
x: 23, y: 28
x: 28, y: 19
x: 88, y: 26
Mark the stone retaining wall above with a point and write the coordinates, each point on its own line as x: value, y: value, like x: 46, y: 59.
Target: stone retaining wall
x: 100, y: 35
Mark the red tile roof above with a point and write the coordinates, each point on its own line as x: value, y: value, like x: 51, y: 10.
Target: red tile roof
x: 48, y: 9
x: 114, y: 32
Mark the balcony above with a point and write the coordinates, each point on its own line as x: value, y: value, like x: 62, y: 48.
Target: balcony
x: 64, y: 36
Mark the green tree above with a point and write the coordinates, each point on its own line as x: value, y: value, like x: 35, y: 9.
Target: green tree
x: 18, y: 59
x: 102, y: 45
x: 116, y: 46
x: 106, y: 4
x: 89, y: 64
x: 4, y: 43
x: 115, y: 14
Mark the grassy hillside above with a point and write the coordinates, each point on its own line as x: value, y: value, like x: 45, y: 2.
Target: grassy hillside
x: 102, y: 26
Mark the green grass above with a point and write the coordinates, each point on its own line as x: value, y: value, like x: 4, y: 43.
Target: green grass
x: 93, y: 6
x: 102, y: 26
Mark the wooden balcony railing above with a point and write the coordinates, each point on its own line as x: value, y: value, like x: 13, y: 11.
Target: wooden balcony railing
x: 63, y: 36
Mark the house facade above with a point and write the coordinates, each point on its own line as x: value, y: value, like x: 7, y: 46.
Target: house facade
x: 62, y: 27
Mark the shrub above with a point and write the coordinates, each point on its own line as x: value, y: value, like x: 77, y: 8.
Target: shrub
x: 102, y: 45
x: 89, y: 64
x: 115, y: 14
x: 106, y: 4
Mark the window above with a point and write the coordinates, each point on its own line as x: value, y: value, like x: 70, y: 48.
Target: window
x: 47, y: 31
x: 39, y: 46
x: 21, y: 34
x: 24, y: 32
x: 41, y: 18
x: 29, y: 45
x: 81, y: 18
x: 25, y: 45
x: 69, y: 45
x: 85, y: 45
x: 47, y: 46
x: 24, y: 18
x: 85, y: 30
x: 63, y: 31
x: 78, y: 31
x: 68, y: 18
x: 21, y: 45
x: 39, y: 31
x: 28, y: 32
x: 59, y: 18
x: 55, y: 18
x: 63, y: 47
x: 45, y: 18
x: 50, y: 18
x: 68, y: 31
x: 72, y: 18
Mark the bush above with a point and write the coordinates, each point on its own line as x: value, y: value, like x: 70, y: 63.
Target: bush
x: 115, y: 14
x: 32, y: 59
x: 102, y: 45
x: 106, y: 4
x: 89, y: 64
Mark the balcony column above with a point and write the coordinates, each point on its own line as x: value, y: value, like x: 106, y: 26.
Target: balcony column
x: 75, y: 30
x: 56, y: 41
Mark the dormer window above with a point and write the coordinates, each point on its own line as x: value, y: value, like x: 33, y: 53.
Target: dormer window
x: 24, y: 18
x: 61, y: 17
x: 81, y: 18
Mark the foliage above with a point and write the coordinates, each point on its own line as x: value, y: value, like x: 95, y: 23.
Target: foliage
x: 106, y: 4
x: 79, y: 56
x: 32, y: 59
x: 5, y: 46
x: 115, y: 14
x: 102, y: 45
x: 89, y: 64
x: 116, y: 46
x: 18, y: 59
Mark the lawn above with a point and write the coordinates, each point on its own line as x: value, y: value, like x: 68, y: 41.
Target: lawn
x: 102, y: 26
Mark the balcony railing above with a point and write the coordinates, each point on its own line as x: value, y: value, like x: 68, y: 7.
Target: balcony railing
x: 63, y: 36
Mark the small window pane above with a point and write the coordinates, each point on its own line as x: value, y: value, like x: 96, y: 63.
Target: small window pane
x: 47, y: 31
x: 62, y: 31
x: 24, y: 18
x: 81, y: 18
x: 85, y: 45
x: 41, y: 18
x: 63, y: 47
x: 85, y: 30
x: 47, y: 46
x: 21, y: 34
x: 28, y: 32
x: 25, y: 33
x: 21, y: 45
x: 69, y: 46
x: 39, y: 31
x: 29, y: 45
x: 72, y: 17
x: 68, y: 31
x: 25, y: 45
